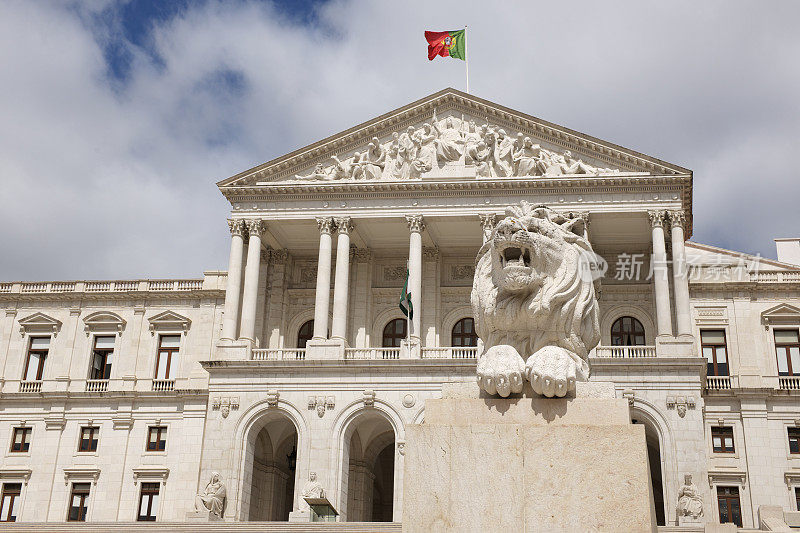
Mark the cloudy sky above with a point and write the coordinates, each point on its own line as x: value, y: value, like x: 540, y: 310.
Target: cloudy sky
x: 117, y: 117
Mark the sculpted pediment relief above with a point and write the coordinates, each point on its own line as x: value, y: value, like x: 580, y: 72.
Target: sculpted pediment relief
x: 451, y: 134
x: 457, y: 146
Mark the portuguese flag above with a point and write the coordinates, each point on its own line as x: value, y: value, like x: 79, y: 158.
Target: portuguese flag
x: 447, y: 44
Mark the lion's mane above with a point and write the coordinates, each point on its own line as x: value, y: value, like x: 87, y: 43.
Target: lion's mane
x: 560, y: 309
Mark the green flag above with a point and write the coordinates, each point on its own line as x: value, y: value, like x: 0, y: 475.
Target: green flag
x: 405, y: 300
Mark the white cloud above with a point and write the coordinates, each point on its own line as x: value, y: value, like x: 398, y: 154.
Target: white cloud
x: 107, y: 180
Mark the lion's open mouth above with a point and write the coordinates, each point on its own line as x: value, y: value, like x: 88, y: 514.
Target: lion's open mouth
x: 513, y: 256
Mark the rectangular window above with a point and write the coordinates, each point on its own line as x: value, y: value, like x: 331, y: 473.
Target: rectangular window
x: 9, y: 505
x: 78, y: 502
x: 102, y: 357
x: 148, y: 502
x: 797, y: 498
x: 794, y: 439
x: 787, y: 349
x: 21, y: 440
x: 156, y: 439
x: 729, y: 508
x: 722, y: 439
x: 34, y: 361
x: 715, y: 351
x: 89, y: 436
x: 168, y: 346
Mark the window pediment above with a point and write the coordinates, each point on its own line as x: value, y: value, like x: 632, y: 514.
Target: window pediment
x: 150, y: 473
x: 87, y: 474
x: 169, y: 320
x: 781, y: 314
x: 103, y: 321
x: 39, y: 323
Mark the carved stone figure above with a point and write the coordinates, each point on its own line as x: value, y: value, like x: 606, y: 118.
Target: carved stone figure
x: 449, y: 140
x: 318, y: 174
x: 312, y: 489
x: 503, y: 156
x: 532, y: 297
x: 527, y: 157
x: 213, y: 498
x: 373, y: 160
x: 482, y: 156
x: 690, y: 503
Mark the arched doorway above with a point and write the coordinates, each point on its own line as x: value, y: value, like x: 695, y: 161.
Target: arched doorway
x: 271, y: 460
x: 368, y: 480
x: 654, y: 459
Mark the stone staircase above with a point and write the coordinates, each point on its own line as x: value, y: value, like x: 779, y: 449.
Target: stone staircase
x: 203, y: 527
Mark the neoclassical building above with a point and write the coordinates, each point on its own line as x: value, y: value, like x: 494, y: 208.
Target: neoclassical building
x: 120, y: 398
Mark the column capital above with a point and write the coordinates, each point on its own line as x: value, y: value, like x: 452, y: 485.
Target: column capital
x: 431, y: 253
x: 488, y: 220
x: 657, y: 218
x: 278, y: 256
x: 360, y: 255
x: 236, y: 226
x: 265, y: 255
x: 255, y: 227
x: 343, y: 225
x: 325, y: 225
x: 416, y: 224
x: 677, y: 218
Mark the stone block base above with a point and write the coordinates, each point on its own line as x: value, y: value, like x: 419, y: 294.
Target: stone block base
x: 202, y: 516
x: 527, y: 464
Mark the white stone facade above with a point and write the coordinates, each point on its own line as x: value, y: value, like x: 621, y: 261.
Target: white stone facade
x: 243, y: 400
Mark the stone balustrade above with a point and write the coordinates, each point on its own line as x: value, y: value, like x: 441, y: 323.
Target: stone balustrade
x: 625, y: 352
x: 96, y: 385
x: 278, y: 354
x: 151, y: 285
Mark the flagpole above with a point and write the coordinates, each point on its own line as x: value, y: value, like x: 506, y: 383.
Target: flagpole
x: 466, y: 59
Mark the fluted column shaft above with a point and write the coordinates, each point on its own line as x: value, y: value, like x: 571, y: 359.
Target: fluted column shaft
x: 233, y: 286
x: 416, y: 225
x: 341, y: 287
x: 660, y: 274
x: 680, y: 273
x: 251, y: 273
x: 323, y: 294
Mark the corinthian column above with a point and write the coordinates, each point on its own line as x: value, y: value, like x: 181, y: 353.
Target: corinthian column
x: 660, y: 273
x: 233, y: 286
x: 255, y: 228
x: 323, y: 293
x: 341, y: 286
x: 416, y: 225
x: 680, y: 273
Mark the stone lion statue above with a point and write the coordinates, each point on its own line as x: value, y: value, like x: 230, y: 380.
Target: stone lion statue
x: 533, y: 299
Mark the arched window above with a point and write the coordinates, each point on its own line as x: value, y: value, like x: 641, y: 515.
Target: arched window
x: 463, y: 333
x: 627, y: 331
x: 305, y: 334
x: 394, y: 333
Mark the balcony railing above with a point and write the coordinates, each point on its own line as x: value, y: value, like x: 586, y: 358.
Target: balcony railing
x: 372, y: 353
x: 450, y: 352
x: 718, y: 382
x: 96, y: 385
x: 161, y: 385
x: 789, y: 382
x: 53, y: 287
x: 30, y: 386
x: 625, y: 352
x: 279, y: 354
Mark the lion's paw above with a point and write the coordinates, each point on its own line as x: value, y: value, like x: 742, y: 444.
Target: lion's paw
x: 552, y: 371
x: 500, y: 370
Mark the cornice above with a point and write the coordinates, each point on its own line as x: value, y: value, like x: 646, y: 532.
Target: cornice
x: 110, y: 395
x: 315, y: 366
x: 443, y: 101
x: 116, y: 296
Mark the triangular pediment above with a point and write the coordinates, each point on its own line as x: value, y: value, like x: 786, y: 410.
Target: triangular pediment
x: 781, y: 313
x: 39, y: 322
x: 169, y: 320
x: 451, y: 134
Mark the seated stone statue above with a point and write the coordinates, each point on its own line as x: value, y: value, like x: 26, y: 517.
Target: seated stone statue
x: 213, y: 497
x: 690, y: 504
x: 312, y: 489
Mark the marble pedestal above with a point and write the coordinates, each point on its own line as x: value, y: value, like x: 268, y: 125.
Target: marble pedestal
x: 202, y: 516
x: 527, y: 463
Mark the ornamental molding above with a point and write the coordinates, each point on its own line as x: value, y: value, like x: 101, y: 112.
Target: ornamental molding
x: 449, y: 103
x: 430, y: 253
x: 150, y: 473
x: 15, y: 474
x: 781, y: 314
x: 81, y: 474
x: 169, y: 321
x: 726, y: 477
x: 103, y: 321
x: 791, y: 478
x: 39, y: 323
